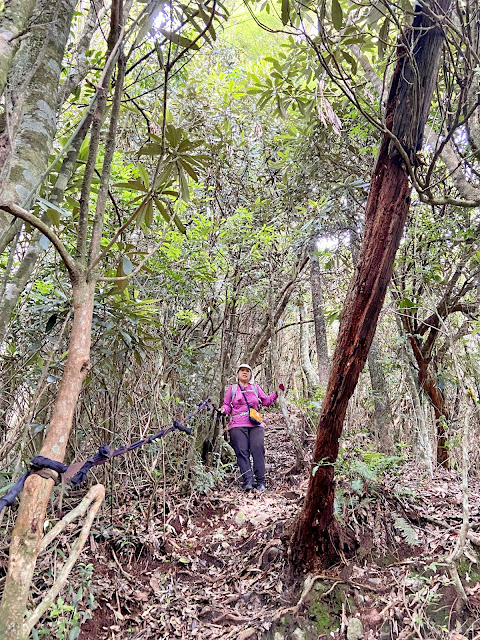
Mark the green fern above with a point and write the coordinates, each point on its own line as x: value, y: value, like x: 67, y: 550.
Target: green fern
x: 366, y: 472
x: 408, y: 532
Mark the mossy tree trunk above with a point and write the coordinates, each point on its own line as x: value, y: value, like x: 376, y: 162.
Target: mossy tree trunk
x: 305, y: 362
x: 31, y: 96
x: 316, y: 284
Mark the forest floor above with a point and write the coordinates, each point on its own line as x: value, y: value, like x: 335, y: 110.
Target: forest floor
x: 214, y: 565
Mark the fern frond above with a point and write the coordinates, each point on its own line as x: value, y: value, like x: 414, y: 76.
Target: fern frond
x: 408, y: 532
x: 364, y: 470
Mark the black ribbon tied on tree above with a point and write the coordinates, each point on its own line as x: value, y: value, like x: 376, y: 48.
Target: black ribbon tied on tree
x: 103, y: 455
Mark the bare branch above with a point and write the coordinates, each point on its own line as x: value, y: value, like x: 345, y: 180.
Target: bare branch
x: 32, y: 219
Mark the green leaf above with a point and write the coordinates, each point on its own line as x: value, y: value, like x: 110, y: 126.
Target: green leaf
x: 121, y: 284
x: 285, y: 11
x: 44, y: 242
x: 144, y: 174
x: 376, y: 13
x: 189, y: 169
x: 46, y: 205
x: 406, y: 303
x: 337, y: 15
x: 74, y: 633
x: 173, y: 135
x: 407, y: 530
x: 136, y: 185
x: 182, y: 179
x: 51, y: 323
x: 351, y: 60
x: 54, y: 217
x: 178, y: 39
x: 164, y: 177
x: 166, y: 216
x: 140, y: 215
x: 150, y: 149
x: 383, y: 37
x: 127, y: 266
x: 149, y: 213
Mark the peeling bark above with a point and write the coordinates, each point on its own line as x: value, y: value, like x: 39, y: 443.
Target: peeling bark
x: 388, y: 203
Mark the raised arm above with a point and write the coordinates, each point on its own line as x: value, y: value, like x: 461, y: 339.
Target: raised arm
x: 264, y: 399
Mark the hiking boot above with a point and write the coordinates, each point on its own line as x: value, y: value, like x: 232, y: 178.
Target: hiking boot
x: 248, y: 486
x: 261, y: 486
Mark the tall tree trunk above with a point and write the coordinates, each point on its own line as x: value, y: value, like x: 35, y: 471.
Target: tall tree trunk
x: 306, y: 363
x: 28, y: 531
x: 13, y: 21
x: 381, y: 399
x: 427, y: 382
x: 422, y: 448
x: 388, y: 203
x: 318, y: 317
x: 25, y: 148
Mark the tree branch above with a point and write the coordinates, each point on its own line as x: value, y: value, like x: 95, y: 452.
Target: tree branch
x: 32, y: 219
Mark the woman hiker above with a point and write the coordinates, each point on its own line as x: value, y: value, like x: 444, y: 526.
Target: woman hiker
x: 246, y: 428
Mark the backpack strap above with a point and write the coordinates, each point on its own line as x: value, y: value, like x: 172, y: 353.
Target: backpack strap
x: 233, y: 391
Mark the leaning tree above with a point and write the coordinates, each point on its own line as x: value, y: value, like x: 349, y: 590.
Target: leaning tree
x: 407, y: 107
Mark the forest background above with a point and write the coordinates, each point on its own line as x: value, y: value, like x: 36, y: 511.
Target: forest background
x: 184, y: 188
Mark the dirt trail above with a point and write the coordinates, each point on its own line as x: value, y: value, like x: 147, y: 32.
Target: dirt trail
x: 217, y: 570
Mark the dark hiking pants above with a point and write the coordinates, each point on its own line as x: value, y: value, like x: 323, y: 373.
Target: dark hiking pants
x: 246, y: 441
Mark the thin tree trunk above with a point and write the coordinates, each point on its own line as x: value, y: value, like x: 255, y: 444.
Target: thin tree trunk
x: 422, y: 447
x: 278, y: 376
x: 381, y: 399
x: 306, y: 363
x: 28, y: 531
x: 318, y: 317
x: 261, y: 338
x: 427, y: 382
x: 387, y: 207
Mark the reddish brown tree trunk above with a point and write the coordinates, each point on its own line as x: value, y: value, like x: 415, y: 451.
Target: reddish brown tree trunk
x: 427, y: 382
x: 387, y: 207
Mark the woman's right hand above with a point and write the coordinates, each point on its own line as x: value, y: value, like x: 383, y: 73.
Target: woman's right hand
x: 222, y: 410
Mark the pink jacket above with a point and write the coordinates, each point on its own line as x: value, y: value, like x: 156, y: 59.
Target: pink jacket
x: 240, y: 406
